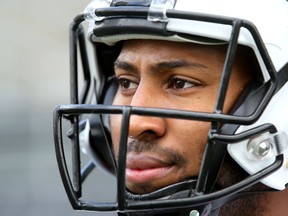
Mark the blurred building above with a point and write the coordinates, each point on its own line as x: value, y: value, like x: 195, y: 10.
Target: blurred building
x: 34, y: 79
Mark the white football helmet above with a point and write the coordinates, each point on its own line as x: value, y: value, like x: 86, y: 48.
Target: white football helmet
x: 254, y: 133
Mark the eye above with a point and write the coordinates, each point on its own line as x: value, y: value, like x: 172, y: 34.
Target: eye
x: 180, y: 83
x: 127, y: 84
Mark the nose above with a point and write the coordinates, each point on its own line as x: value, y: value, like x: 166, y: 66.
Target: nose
x: 146, y: 125
x: 151, y: 125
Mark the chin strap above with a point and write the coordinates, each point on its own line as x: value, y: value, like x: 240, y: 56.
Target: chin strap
x: 210, y: 209
x: 203, y: 211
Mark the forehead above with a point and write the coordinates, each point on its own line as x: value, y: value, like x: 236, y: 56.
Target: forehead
x: 166, y: 48
x: 156, y: 51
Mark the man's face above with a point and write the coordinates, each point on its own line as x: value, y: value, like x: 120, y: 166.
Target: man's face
x: 162, y: 74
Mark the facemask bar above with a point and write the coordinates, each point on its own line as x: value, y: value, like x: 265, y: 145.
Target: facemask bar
x: 122, y: 199
x: 73, y: 112
x: 77, y: 38
x: 207, y: 178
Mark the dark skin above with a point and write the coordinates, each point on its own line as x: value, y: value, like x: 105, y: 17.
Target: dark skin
x: 172, y: 75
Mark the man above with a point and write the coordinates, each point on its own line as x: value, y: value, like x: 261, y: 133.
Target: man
x: 185, y: 88
x: 186, y: 77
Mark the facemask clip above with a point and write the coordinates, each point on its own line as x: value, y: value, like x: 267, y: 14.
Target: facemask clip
x: 89, y: 12
x: 158, y: 8
x: 267, y: 146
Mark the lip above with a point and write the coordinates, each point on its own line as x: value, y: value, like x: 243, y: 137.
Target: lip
x: 145, y: 168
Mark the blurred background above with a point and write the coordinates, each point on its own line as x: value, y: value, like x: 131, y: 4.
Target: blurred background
x: 34, y: 71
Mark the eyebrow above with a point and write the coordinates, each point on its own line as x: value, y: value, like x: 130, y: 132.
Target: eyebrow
x: 159, y: 67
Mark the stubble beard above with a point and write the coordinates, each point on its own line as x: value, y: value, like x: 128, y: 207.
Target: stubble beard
x: 147, y: 145
x: 251, y: 205
x: 255, y: 205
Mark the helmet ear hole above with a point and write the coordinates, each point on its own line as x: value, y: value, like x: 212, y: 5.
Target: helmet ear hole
x: 95, y: 143
x: 96, y: 127
x: 100, y: 143
x: 99, y: 135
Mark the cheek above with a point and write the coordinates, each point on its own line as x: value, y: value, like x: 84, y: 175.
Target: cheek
x: 203, y: 100
x: 190, y: 138
x: 121, y: 100
x: 193, y: 133
x: 240, y: 77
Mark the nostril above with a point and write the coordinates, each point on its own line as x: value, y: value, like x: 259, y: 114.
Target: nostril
x: 148, y: 134
x: 152, y: 126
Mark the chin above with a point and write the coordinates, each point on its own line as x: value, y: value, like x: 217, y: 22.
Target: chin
x: 141, y: 188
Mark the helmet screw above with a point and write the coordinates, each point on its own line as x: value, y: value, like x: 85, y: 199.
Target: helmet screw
x: 264, y: 148
x: 194, y: 213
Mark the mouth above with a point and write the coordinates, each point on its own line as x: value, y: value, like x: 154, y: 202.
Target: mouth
x: 145, y: 168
